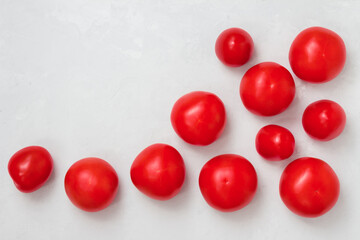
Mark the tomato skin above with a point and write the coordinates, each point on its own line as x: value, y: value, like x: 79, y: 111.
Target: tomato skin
x: 30, y: 168
x: 275, y: 143
x: 309, y: 187
x: 91, y: 184
x: 198, y: 117
x: 317, y: 55
x: 324, y: 120
x: 267, y: 89
x: 234, y: 47
x: 228, y: 182
x: 158, y: 171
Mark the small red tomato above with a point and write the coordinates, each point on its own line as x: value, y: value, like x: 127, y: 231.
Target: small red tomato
x: 267, y: 89
x: 324, y: 120
x: 30, y: 168
x: 91, y: 184
x: 275, y: 143
x: 158, y: 171
x: 228, y: 182
x: 234, y: 47
x: 198, y: 117
x: 317, y: 55
x: 309, y: 187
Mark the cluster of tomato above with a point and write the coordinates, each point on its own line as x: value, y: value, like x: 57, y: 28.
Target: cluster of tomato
x: 309, y: 187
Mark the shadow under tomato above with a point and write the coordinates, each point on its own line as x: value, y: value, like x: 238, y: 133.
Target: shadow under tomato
x: 178, y: 202
x: 46, y: 190
x: 249, y: 212
x: 330, y: 220
x: 290, y: 117
x: 279, y: 164
x: 340, y: 145
x: 218, y: 147
x: 240, y: 71
x: 112, y: 211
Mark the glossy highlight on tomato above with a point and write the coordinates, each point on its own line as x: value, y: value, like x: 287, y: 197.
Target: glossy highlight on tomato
x: 324, y: 120
x: 317, y: 55
x: 158, y: 171
x: 30, y: 168
x: 198, y: 117
x: 234, y: 47
x: 267, y: 89
x: 228, y: 182
x: 91, y: 184
x: 275, y: 143
x: 309, y: 187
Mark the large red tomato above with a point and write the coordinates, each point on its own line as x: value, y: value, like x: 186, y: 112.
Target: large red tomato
x: 234, y: 47
x: 309, y: 187
x: 198, y: 117
x: 324, y: 120
x: 158, y: 171
x: 267, y: 89
x: 91, y: 184
x: 275, y: 143
x: 317, y: 55
x: 228, y: 182
x: 30, y: 168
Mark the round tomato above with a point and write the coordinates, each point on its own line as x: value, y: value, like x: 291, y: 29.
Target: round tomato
x: 275, y: 143
x: 309, y: 187
x: 91, y: 184
x: 228, y: 182
x: 234, y: 47
x: 317, y: 55
x: 267, y: 89
x: 324, y: 120
x: 30, y: 168
x: 198, y: 117
x: 158, y: 171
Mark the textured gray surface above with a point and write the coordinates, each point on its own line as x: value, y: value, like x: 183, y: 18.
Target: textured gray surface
x: 98, y: 78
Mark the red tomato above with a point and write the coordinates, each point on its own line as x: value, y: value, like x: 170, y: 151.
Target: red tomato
x: 267, y: 89
x: 30, y: 168
x: 275, y: 143
x: 91, y: 184
x: 228, y: 182
x: 234, y: 47
x: 317, y: 55
x: 198, y: 117
x: 158, y: 171
x: 309, y: 187
x: 324, y: 120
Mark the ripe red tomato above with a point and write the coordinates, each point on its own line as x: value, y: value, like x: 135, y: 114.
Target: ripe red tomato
x: 228, y: 182
x: 324, y: 120
x: 30, y: 168
x: 158, y: 171
x: 91, y: 184
x: 234, y: 47
x: 198, y: 117
x: 275, y: 143
x: 309, y: 187
x: 267, y: 89
x: 317, y: 55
